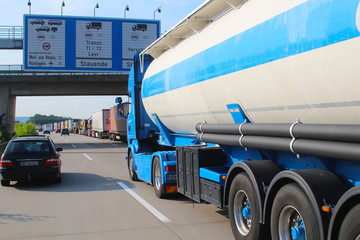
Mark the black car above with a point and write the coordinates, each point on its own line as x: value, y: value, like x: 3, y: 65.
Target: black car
x: 65, y: 131
x: 46, y: 131
x: 30, y: 157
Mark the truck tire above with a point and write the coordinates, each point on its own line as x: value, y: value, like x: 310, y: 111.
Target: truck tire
x: 244, y: 213
x: 132, y: 174
x: 292, y: 215
x: 350, y: 226
x: 156, y: 179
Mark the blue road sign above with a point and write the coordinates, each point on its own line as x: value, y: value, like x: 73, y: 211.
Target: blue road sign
x: 58, y: 43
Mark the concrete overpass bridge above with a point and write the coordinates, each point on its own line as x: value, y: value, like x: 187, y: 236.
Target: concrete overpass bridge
x: 14, y: 81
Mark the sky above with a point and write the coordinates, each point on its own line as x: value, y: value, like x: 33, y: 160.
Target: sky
x: 11, y: 14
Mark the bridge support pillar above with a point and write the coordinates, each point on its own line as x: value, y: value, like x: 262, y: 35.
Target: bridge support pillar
x: 7, y: 108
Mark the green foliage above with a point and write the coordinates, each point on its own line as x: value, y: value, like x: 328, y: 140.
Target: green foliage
x: 39, y: 119
x: 4, y: 135
x: 22, y: 129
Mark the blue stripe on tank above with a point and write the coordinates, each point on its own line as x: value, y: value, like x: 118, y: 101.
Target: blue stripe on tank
x: 311, y: 25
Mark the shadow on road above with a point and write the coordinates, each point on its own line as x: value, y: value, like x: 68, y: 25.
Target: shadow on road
x: 73, y: 182
x: 99, y: 145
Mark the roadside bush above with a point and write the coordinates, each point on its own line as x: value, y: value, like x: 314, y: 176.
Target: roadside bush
x: 22, y: 129
x: 4, y: 136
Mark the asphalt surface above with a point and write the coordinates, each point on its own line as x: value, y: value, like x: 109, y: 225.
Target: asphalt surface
x: 96, y: 200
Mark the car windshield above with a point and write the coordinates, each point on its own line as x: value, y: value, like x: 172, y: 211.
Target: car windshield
x: 38, y: 148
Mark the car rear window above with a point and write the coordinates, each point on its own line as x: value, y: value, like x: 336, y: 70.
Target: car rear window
x: 39, y: 148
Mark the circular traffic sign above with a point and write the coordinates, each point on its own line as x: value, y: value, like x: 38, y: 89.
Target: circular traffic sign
x: 88, y: 35
x: 46, y: 46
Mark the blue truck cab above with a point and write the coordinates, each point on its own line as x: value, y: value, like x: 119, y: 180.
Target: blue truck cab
x: 147, y: 159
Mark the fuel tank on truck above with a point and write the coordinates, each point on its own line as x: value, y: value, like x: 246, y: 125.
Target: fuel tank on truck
x: 280, y: 60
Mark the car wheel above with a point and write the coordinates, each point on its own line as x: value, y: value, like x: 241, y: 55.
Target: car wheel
x: 57, y: 179
x: 5, y: 183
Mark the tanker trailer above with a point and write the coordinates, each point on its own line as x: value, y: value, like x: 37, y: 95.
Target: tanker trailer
x: 253, y: 105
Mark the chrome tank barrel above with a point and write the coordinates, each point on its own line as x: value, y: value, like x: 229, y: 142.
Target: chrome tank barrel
x: 279, y: 60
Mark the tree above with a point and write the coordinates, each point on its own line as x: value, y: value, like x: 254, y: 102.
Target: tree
x: 23, y: 129
x: 39, y: 119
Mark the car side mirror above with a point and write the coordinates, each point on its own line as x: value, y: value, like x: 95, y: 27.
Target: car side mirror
x: 59, y: 149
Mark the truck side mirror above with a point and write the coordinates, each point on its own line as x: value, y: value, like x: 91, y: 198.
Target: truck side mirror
x: 118, y: 100
x: 120, y: 110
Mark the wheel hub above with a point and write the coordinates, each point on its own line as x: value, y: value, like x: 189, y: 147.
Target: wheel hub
x: 242, y: 212
x: 291, y: 225
x: 157, y: 177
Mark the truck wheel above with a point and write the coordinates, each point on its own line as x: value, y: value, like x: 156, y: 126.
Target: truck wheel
x: 158, y: 186
x: 244, y: 213
x: 292, y: 215
x: 132, y: 173
x: 350, y: 226
x: 5, y: 183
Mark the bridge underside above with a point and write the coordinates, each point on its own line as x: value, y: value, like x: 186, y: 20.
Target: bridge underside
x: 65, y: 85
x: 29, y: 84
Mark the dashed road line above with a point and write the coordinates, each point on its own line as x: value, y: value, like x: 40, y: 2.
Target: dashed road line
x: 147, y: 205
x: 88, y: 157
x: 74, y: 146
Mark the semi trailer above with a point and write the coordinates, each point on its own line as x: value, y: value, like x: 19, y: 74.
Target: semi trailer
x: 254, y: 105
x: 100, y: 123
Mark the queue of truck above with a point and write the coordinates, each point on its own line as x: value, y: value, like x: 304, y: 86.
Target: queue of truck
x: 105, y: 123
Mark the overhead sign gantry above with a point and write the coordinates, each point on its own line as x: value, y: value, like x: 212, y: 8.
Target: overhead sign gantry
x: 58, y: 43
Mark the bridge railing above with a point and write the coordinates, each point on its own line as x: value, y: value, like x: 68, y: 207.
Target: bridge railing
x: 11, y: 32
x: 14, y: 67
x: 18, y: 69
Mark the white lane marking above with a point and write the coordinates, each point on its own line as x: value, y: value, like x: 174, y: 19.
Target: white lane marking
x: 150, y: 208
x: 114, y: 144
x: 87, y: 156
x: 74, y: 146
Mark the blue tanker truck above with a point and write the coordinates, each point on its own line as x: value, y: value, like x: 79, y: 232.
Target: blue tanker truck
x: 254, y: 105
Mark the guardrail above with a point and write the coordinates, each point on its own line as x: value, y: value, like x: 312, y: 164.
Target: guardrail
x: 11, y: 32
x: 18, y: 70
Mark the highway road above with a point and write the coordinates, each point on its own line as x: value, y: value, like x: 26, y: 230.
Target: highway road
x: 96, y: 200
